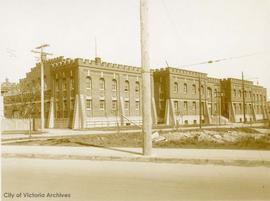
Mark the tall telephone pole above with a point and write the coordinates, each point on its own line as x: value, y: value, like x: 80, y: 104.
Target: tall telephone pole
x: 146, y: 82
x: 42, y: 60
x: 244, y: 98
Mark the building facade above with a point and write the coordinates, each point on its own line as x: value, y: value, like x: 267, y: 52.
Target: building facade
x: 82, y: 93
x: 243, y: 101
x: 180, y: 100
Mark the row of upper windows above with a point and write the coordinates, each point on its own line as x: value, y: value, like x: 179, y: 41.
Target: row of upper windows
x: 114, y: 84
x: 64, y: 84
x: 255, y: 96
x: 194, y: 89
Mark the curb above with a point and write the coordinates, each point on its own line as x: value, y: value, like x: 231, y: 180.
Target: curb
x: 245, y: 163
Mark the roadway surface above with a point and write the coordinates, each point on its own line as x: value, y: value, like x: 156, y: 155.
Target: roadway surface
x: 130, y: 181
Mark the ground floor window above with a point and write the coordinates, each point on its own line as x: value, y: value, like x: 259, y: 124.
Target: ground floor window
x: 126, y: 105
x: 175, y: 106
x: 194, y: 106
x: 102, y: 104
x: 88, y: 104
x: 137, y: 105
x: 114, y: 105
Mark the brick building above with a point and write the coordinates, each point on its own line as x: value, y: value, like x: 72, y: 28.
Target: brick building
x: 268, y: 109
x: 177, y: 97
x: 82, y: 93
x: 243, y: 97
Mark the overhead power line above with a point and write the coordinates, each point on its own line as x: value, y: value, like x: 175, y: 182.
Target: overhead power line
x: 224, y: 59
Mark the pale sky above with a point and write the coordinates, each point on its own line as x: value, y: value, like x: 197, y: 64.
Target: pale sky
x: 181, y: 32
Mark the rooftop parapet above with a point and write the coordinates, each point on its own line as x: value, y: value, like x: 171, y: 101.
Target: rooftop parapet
x: 186, y: 72
x: 98, y: 64
x: 212, y: 79
x: 236, y: 80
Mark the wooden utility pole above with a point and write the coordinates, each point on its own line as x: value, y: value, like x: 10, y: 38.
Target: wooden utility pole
x: 244, y: 98
x: 146, y: 79
x: 42, y: 60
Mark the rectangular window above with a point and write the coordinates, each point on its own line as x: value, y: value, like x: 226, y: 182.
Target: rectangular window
x: 71, y: 83
x: 185, y: 105
x: 185, y: 88
x: 56, y: 106
x: 102, y: 105
x: 194, y: 106
x: 57, y: 85
x: 114, y: 105
x: 64, y: 84
x: 126, y: 105
x: 88, y: 104
x: 137, y: 105
x: 240, y: 107
x: 72, y: 104
x: 175, y: 106
x: 65, y: 108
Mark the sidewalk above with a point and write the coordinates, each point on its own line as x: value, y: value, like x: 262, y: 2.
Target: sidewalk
x: 69, y: 132
x: 190, y: 156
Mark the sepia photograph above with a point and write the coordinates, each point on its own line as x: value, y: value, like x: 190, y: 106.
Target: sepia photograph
x: 135, y: 100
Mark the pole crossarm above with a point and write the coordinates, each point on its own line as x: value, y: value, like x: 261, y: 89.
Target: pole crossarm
x: 42, y: 46
x: 43, y: 53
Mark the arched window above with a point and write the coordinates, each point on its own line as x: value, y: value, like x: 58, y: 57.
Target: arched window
x: 137, y: 89
x: 234, y: 92
x: 71, y: 83
x: 209, y: 92
x: 215, y: 93
x: 175, y: 87
x: 185, y: 88
x: 126, y: 86
x: 114, y: 85
x: 126, y: 89
x: 88, y: 82
x: 101, y: 84
x: 64, y: 84
x: 194, y: 89
x: 202, y: 89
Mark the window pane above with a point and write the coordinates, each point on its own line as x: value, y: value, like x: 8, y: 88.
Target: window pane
x: 88, y: 83
x: 101, y: 84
